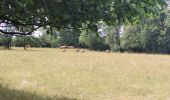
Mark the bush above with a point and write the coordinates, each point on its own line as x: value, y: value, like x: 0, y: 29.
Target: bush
x: 92, y: 41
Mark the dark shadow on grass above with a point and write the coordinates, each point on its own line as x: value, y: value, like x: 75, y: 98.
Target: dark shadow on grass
x: 12, y: 94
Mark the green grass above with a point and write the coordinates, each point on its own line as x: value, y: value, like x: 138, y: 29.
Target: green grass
x: 50, y: 74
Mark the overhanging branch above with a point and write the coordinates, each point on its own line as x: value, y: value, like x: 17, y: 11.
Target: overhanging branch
x: 19, y: 33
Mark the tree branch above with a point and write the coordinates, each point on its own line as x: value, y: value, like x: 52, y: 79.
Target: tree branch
x: 19, y: 33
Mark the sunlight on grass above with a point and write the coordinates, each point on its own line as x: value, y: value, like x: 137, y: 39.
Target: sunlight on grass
x: 50, y: 74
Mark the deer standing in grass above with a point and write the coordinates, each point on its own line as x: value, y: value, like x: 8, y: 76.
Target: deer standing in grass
x: 77, y: 50
x: 27, y: 46
x: 108, y: 51
x: 82, y: 51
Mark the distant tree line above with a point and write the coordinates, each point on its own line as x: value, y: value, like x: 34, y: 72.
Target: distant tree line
x: 152, y: 35
x: 77, y: 23
x: 68, y: 38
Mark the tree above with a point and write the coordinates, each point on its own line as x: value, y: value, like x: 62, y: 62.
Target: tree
x: 21, y: 41
x: 69, y: 37
x: 132, y: 40
x: 92, y: 41
x: 152, y: 35
x: 29, y: 15
x: 6, y: 41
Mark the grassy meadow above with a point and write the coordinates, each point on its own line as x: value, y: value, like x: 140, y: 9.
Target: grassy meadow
x: 50, y: 74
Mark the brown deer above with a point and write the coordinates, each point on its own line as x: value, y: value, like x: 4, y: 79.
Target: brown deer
x: 64, y: 50
x: 77, y: 50
x: 71, y: 47
x: 63, y: 47
x: 82, y: 51
x: 27, y: 46
x: 108, y: 51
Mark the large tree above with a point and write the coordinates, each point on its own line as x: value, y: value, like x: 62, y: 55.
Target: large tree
x: 29, y: 15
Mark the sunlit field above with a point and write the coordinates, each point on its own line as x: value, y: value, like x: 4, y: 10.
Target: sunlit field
x: 50, y: 74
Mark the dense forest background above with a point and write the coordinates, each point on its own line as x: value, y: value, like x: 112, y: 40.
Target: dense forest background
x: 151, y: 35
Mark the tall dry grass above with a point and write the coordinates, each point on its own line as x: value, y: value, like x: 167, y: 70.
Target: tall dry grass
x: 50, y: 74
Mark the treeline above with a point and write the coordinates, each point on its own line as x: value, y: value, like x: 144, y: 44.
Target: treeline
x: 152, y: 35
x: 70, y: 37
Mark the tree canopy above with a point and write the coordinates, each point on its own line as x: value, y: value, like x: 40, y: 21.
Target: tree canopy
x: 27, y: 16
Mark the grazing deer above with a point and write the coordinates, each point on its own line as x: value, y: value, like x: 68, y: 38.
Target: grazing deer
x: 108, y: 51
x: 77, y: 50
x: 27, y: 46
x: 82, y: 51
x: 64, y: 50
x: 63, y: 47
x: 71, y: 47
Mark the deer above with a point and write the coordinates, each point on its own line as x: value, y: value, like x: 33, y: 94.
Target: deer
x: 71, y: 47
x: 64, y: 50
x: 77, y: 50
x: 108, y: 51
x: 82, y: 51
x: 27, y: 46
x: 63, y: 47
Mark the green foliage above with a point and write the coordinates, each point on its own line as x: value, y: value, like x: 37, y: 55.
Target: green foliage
x: 92, y: 41
x: 25, y: 40
x: 1, y: 42
x: 152, y: 36
x: 18, y: 41
x: 55, y: 43
x: 6, y: 41
x: 62, y: 14
x: 132, y: 41
x: 47, y: 40
x: 111, y: 38
x: 69, y: 17
x: 69, y: 37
